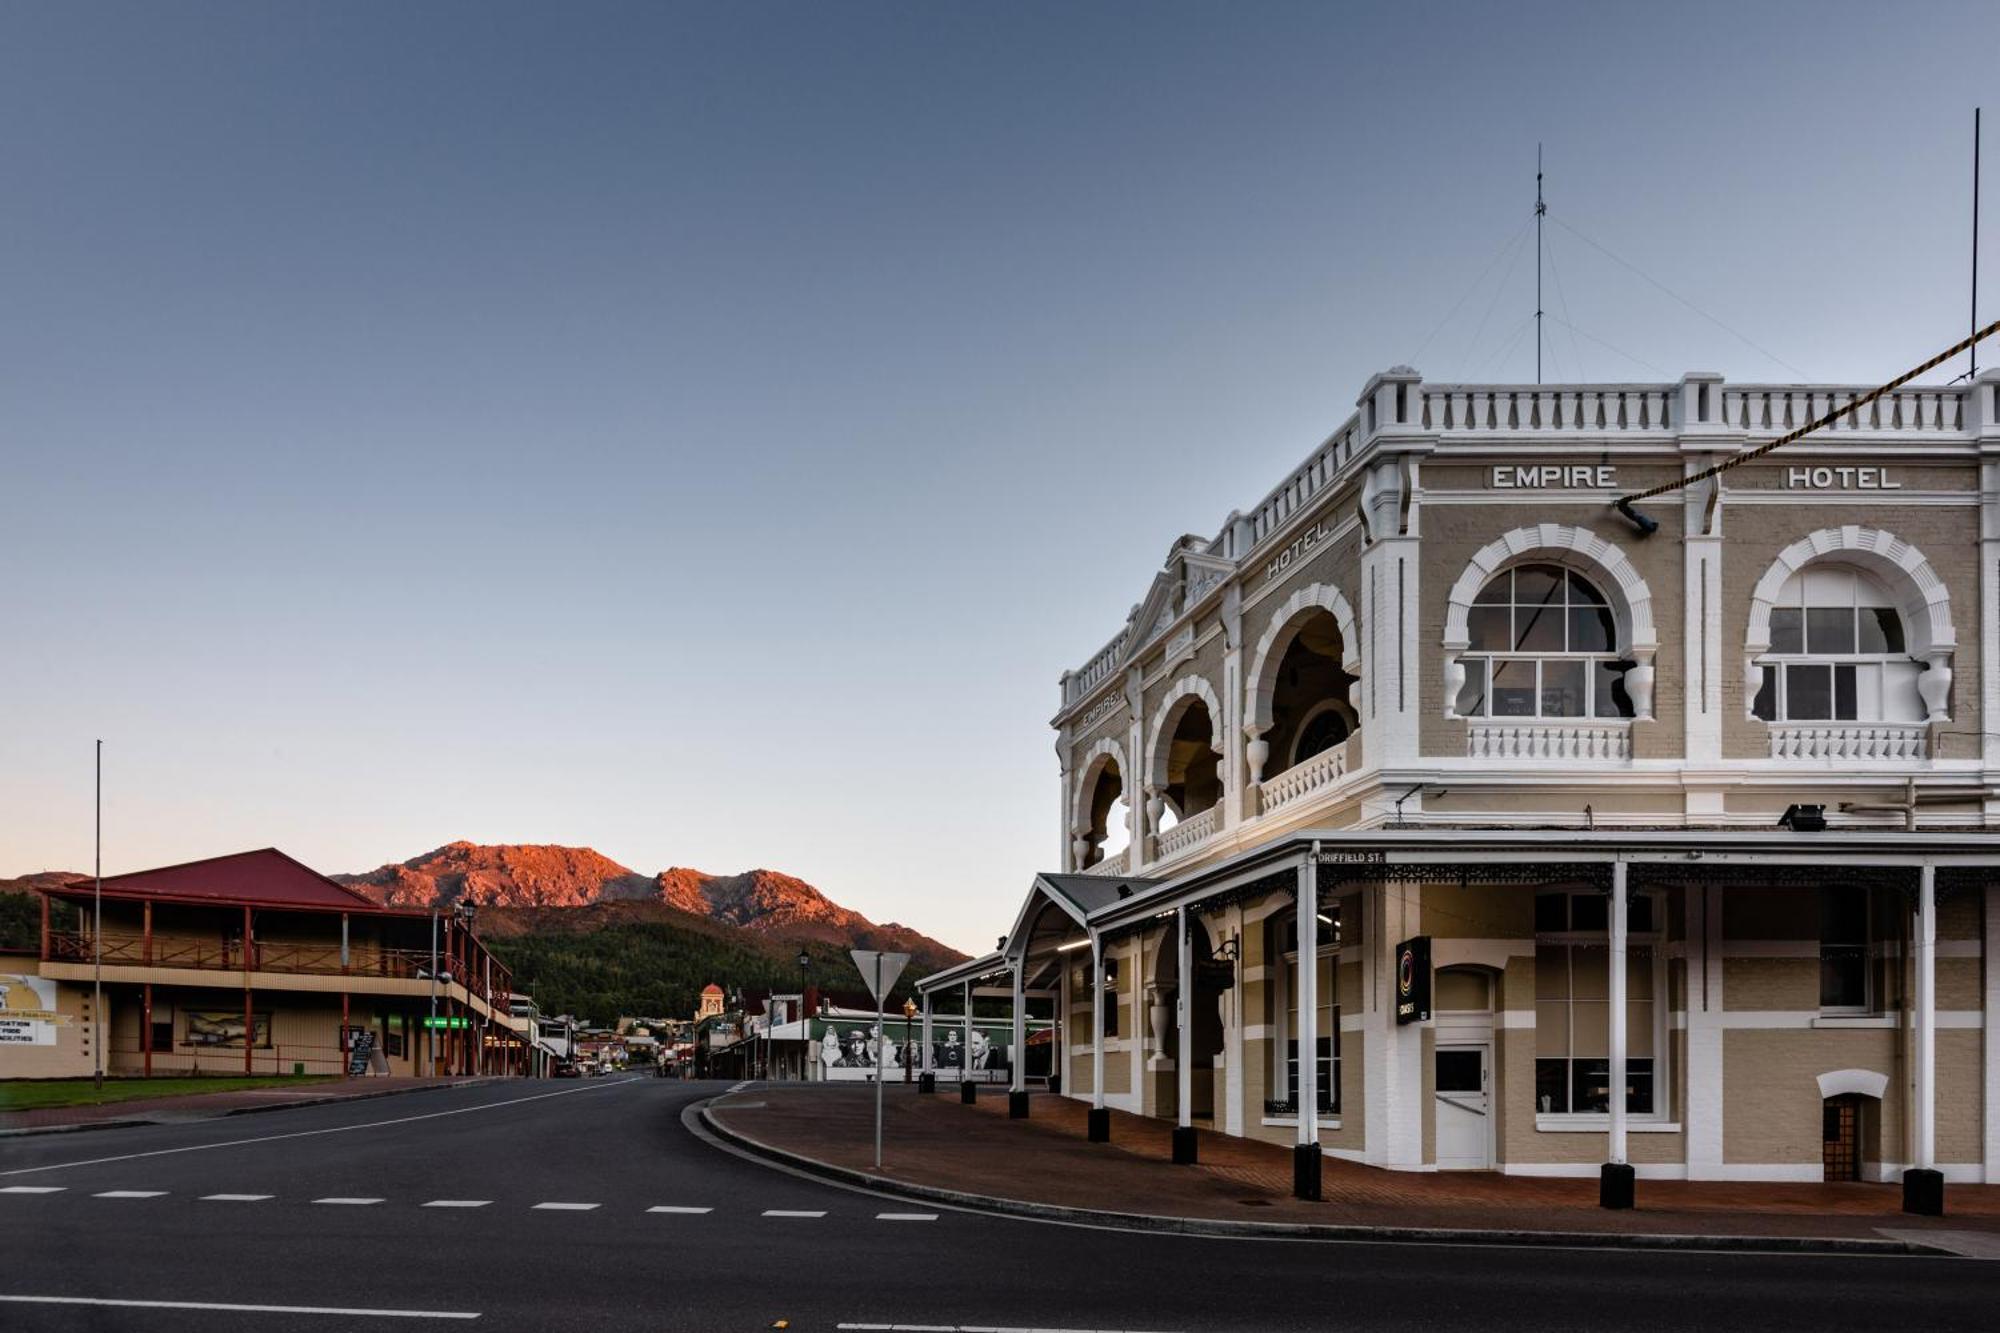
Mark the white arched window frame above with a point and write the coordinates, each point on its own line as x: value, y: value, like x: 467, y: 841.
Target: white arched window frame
x: 1898, y: 569
x: 1838, y: 652
x: 1543, y: 645
x: 1106, y: 753
x: 1184, y: 693
x: 1602, y: 566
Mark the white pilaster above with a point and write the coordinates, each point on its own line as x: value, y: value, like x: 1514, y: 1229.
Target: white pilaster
x: 1703, y: 1076
x: 1616, y: 1138
x: 1233, y: 773
x: 1232, y: 1043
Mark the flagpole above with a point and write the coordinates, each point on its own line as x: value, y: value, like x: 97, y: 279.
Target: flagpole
x: 97, y: 934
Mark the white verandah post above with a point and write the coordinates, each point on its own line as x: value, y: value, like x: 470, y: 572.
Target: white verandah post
x: 1184, y: 1140
x: 1017, y: 1094
x: 1924, y: 1114
x: 1306, y: 1163
x: 1098, y: 1122
x: 1615, y: 1182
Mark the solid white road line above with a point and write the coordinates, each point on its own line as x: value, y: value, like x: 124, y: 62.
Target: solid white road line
x: 567, y: 1207
x: 32, y: 1189
x: 793, y: 1212
x: 906, y: 1217
x: 675, y: 1208
x: 234, y: 1198
x: 130, y: 1194
x: 310, y: 1133
x: 246, y: 1309
x: 458, y: 1203
x: 347, y: 1200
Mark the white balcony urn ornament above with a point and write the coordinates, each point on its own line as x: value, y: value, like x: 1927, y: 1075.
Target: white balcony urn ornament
x: 1934, y: 687
x: 1639, y: 685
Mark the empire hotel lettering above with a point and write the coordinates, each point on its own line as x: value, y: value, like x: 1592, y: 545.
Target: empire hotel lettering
x: 1312, y: 537
x: 1840, y: 478
x: 1579, y: 476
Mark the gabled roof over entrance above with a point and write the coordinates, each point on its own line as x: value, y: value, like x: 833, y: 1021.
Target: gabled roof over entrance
x: 263, y: 878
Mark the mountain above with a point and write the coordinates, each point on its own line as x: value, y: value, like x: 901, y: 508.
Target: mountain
x: 534, y: 878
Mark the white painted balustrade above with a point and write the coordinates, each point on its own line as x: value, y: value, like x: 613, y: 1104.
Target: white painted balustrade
x: 1597, y: 741
x: 1196, y: 828
x: 1849, y: 740
x: 1319, y: 772
x: 1110, y: 865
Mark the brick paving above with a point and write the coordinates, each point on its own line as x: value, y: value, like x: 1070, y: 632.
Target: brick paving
x: 939, y: 1142
x: 208, y: 1105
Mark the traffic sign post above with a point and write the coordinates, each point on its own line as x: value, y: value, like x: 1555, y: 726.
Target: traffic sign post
x: 880, y: 971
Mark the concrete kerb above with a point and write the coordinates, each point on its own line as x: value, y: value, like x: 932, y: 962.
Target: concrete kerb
x: 1201, y: 1226
x: 129, y: 1122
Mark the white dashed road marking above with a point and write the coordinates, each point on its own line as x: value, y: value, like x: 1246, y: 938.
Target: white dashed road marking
x: 33, y: 1189
x: 458, y: 1203
x: 567, y: 1207
x: 130, y: 1194
x: 906, y: 1217
x: 793, y: 1212
x: 972, y: 1328
x: 675, y: 1208
x: 241, y: 1309
x: 343, y: 1200
x: 234, y: 1198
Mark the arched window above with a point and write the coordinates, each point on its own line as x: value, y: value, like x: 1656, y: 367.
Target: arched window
x: 1837, y: 652
x: 1543, y: 644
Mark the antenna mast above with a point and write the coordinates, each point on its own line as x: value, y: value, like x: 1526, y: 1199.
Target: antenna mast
x: 1540, y: 210
x: 1972, y: 353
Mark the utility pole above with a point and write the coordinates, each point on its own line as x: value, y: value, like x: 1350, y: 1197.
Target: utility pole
x: 97, y: 936
x: 1541, y: 210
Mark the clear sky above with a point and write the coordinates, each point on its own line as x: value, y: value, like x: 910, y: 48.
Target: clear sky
x: 705, y: 433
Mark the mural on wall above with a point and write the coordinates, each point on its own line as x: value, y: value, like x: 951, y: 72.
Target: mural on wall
x: 28, y: 1014
x: 224, y: 1027
x: 853, y: 1047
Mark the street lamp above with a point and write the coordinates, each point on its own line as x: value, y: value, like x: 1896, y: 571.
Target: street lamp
x: 804, y: 961
x: 909, y: 1017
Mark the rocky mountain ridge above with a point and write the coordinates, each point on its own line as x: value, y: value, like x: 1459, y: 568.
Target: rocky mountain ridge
x: 546, y: 876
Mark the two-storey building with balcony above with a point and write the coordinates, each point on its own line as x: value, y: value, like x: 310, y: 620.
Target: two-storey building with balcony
x: 1435, y: 814
x: 255, y: 963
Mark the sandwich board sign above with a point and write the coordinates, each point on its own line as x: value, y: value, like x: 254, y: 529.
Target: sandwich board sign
x: 880, y: 971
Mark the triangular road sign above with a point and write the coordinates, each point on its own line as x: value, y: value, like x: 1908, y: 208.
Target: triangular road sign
x: 879, y: 970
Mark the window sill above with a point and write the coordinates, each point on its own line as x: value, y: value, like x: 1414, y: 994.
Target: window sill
x: 1854, y: 1021
x: 1554, y: 1123
x: 1292, y: 1121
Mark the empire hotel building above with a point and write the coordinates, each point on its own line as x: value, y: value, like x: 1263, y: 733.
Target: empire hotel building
x: 1433, y: 814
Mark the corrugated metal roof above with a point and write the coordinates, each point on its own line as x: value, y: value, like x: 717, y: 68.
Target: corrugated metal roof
x: 263, y: 878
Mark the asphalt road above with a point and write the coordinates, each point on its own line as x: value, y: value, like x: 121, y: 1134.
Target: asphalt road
x: 537, y: 1206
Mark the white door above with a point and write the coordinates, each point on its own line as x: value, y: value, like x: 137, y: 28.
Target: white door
x: 1464, y: 1108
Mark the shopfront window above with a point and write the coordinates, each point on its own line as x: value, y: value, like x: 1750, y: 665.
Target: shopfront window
x: 1845, y: 962
x: 1573, y: 1004
x: 1327, y: 1012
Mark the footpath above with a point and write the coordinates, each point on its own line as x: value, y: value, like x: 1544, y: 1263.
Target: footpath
x: 938, y: 1149
x: 212, y: 1105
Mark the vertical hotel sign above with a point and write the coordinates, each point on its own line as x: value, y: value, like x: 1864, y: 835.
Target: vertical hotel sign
x: 1413, y: 980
